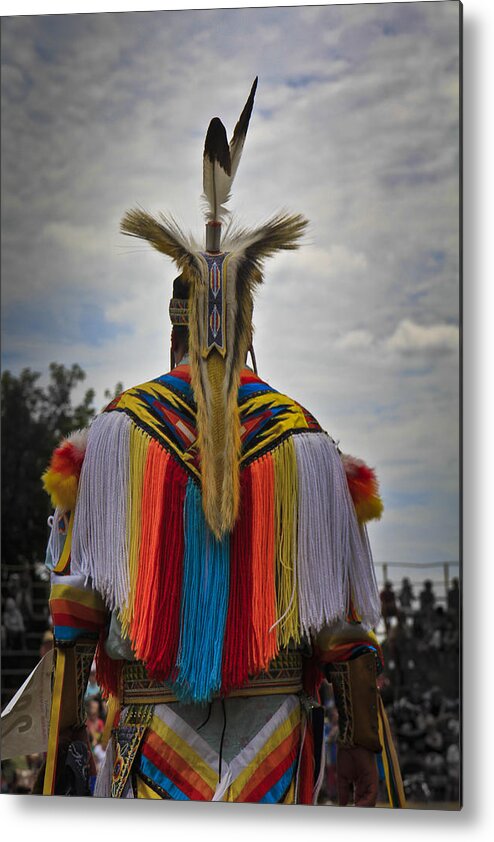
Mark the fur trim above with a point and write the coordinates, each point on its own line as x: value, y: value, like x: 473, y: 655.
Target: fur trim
x: 61, y: 478
x: 364, y: 489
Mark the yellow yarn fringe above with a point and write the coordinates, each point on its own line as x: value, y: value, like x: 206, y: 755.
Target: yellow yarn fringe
x: 139, y: 443
x: 286, y: 495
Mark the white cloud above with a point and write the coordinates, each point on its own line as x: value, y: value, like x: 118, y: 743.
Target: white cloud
x: 410, y: 338
x: 81, y: 239
x: 356, y: 340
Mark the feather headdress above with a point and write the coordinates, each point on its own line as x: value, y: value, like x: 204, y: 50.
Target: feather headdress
x: 221, y: 280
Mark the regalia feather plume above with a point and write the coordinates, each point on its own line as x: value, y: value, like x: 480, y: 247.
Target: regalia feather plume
x: 221, y: 279
x: 221, y: 160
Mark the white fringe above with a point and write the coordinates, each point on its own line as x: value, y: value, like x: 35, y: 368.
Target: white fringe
x: 334, y: 558
x: 365, y: 589
x: 57, y: 538
x: 99, y: 542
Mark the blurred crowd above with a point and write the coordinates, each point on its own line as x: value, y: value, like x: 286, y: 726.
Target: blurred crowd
x: 25, y: 613
x: 426, y: 727
x: 419, y: 687
x: 19, y: 774
x: 436, y: 623
x: 422, y: 637
x: 17, y: 610
x: 422, y: 687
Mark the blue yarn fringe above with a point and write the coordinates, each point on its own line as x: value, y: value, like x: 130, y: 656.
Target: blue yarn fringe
x: 204, y: 605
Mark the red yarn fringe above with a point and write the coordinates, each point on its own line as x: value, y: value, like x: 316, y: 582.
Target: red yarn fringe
x: 238, y: 629
x: 108, y: 670
x: 156, y: 623
x: 312, y: 676
x: 307, y: 766
x: 263, y: 643
x: 164, y: 613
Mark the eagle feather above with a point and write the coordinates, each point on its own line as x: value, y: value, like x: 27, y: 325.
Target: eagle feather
x: 221, y: 160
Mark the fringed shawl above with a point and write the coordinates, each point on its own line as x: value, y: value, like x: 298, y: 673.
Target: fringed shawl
x: 203, y: 614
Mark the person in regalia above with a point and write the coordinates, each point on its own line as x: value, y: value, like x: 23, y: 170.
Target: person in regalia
x: 209, y: 543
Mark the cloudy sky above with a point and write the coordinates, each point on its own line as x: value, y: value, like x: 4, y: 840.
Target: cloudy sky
x: 355, y: 125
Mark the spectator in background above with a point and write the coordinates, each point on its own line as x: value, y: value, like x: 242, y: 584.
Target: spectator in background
x: 435, y: 766
x: 95, y: 724
x: 388, y: 604
x: 453, y: 771
x: 14, y: 626
x: 434, y: 739
x: 406, y: 595
x: 398, y: 646
x: 434, y: 703
x: 13, y: 585
x: 454, y: 599
x: 427, y: 599
x: 93, y: 689
x: 95, y: 727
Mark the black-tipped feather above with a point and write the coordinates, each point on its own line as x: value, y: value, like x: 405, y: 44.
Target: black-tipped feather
x: 240, y: 131
x: 216, y: 145
x: 220, y: 161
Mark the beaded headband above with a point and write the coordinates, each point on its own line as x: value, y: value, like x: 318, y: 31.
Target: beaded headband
x: 179, y: 311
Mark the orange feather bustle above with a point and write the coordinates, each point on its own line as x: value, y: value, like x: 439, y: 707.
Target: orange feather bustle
x: 364, y: 489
